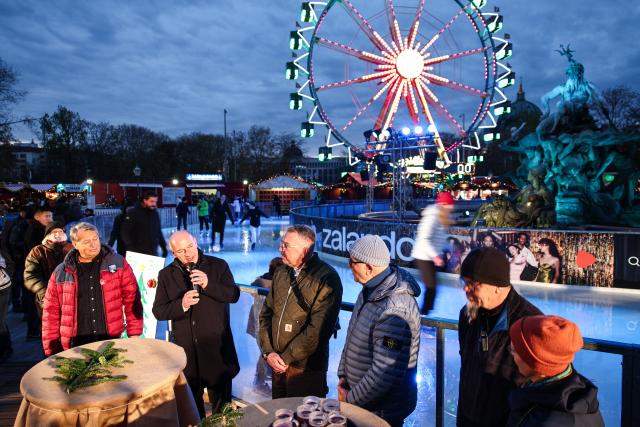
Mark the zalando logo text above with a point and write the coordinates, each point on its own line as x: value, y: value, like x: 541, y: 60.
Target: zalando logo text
x: 341, y: 240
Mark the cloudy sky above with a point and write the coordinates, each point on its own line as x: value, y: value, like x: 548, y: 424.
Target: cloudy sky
x: 173, y: 66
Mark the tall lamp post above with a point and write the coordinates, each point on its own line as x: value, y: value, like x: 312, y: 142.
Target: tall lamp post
x: 137, y: 172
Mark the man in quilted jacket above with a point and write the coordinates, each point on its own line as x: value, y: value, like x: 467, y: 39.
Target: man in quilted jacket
x: 87, y: 293
x: 378, y: 366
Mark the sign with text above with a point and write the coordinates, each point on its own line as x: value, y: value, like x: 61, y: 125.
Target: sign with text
x: 172, y: 195
x: 146, y: 269
x: 204, y: 177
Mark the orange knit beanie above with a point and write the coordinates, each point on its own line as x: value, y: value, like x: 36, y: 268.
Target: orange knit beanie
x: 546, y: 343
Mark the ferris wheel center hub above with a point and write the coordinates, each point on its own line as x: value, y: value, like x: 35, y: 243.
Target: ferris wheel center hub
x: 409, y: 63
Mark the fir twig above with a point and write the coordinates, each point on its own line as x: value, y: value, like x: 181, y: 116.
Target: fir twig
x: 95, y: 368
x: 226, y: 417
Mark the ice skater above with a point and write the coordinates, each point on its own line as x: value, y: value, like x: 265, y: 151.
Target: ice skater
x: 430, y: 242
x: 253, y: 213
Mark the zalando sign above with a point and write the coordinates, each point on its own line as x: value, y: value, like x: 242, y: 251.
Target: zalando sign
x: 341, y: 240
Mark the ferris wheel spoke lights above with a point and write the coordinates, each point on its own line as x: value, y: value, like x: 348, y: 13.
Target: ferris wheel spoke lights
x: 406, y: 67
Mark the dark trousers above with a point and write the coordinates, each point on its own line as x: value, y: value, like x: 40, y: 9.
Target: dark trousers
x: 86, y: 339
x: 17, y: 284
x: 428, y: 274
x: 204, y: 222
x: 298, y: 382
x: 34, y: 326
x: 182, y: 220
x: 218, y: 227
x: 218, y: 395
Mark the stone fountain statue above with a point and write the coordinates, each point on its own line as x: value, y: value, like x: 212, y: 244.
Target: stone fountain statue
x: 565, y: 162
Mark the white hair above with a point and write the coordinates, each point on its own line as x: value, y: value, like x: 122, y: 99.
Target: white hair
x: 81, y: 226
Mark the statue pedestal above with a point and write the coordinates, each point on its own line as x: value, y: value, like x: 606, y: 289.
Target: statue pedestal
x: 570, y: 209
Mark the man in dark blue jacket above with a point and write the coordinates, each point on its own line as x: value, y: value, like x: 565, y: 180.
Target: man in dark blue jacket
x: 378, y: 365
x: 487, y: 370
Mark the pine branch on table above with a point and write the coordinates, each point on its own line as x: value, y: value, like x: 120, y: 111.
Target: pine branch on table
x: 95, y: 368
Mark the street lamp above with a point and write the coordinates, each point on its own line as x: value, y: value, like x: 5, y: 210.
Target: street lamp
x: 174, y: 181
x: 244, y: 187
x: 137, y: 172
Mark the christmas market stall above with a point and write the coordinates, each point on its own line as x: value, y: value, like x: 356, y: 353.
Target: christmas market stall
x: 284, y: 187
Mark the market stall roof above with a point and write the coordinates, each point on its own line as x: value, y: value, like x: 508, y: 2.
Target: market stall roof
x: 139, y: 184
x: 283, y: 181
x: 41, y: 187
x: 13, y: 187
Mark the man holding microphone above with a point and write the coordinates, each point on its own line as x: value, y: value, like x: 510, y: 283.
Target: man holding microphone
x: 194, y: 291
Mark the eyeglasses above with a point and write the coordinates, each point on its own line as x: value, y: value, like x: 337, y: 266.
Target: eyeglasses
x: 287, y: 246
x: 352, y: 262
x: 471, y: 284
x: 183, y: 251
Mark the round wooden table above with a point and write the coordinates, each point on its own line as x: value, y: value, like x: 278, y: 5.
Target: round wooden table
x: 155, y: 392
x: 263, y: 414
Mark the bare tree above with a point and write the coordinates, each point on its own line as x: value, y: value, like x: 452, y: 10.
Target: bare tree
x: 9, y: 95
x: 619, y: 108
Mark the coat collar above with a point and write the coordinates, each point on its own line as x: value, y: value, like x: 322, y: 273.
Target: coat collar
x: 393, y: 279
x: 180, y: 266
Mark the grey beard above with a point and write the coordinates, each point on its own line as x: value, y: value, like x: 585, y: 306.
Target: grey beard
x: 472, y: 311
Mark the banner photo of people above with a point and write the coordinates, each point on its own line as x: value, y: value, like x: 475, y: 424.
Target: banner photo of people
x: 542, y: 256
x: 146, y: 269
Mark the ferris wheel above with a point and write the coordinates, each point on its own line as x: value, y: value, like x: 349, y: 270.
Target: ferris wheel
x: 363, y: 65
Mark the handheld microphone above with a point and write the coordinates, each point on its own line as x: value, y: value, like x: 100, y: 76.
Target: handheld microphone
x: 189, y: 267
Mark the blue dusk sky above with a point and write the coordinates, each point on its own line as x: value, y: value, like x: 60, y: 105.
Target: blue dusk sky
x: 173, y: 66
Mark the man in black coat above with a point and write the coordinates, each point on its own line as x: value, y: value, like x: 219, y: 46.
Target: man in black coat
x: 141, y: 231
x: 182, y: 210
x: 488, y: 372
x: 116, y: 233
x: 32, y: 238
x: 200, y: 317
x: 220, y: 211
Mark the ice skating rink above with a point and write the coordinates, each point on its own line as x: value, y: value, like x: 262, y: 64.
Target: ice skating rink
x: 611, y: 315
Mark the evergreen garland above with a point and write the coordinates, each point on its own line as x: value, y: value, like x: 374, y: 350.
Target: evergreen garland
x: 75, y: 373
x: 226, y: 417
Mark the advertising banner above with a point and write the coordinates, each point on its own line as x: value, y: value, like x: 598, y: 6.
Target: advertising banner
x: 627, y: 267
x: 146, y: 269
x: 601, y: 259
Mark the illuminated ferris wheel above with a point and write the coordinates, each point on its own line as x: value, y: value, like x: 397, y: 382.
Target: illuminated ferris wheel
x: 362, y: 65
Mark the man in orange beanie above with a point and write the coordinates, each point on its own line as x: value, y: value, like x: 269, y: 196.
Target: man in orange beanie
x: 543, y: 348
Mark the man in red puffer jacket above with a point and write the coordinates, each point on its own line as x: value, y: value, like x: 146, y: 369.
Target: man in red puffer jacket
x: 86, y: 295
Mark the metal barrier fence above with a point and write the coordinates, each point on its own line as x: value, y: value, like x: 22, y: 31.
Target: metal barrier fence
x: 629, y: 408
x: 104, y: 221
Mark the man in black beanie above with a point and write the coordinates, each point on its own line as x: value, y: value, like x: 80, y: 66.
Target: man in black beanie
x: 488, y: 372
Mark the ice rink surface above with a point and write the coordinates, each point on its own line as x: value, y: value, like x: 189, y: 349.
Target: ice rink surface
x: 611, y: 315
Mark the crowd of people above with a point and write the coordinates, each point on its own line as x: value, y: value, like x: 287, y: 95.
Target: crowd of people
x: 213, y: 212
x: 516, y: 363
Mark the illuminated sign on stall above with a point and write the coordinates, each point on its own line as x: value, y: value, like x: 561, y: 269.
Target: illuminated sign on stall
x: 204, y: 177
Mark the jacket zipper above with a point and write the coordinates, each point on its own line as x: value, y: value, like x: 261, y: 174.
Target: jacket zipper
x: 104, y: 305
x: 280, y: 320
